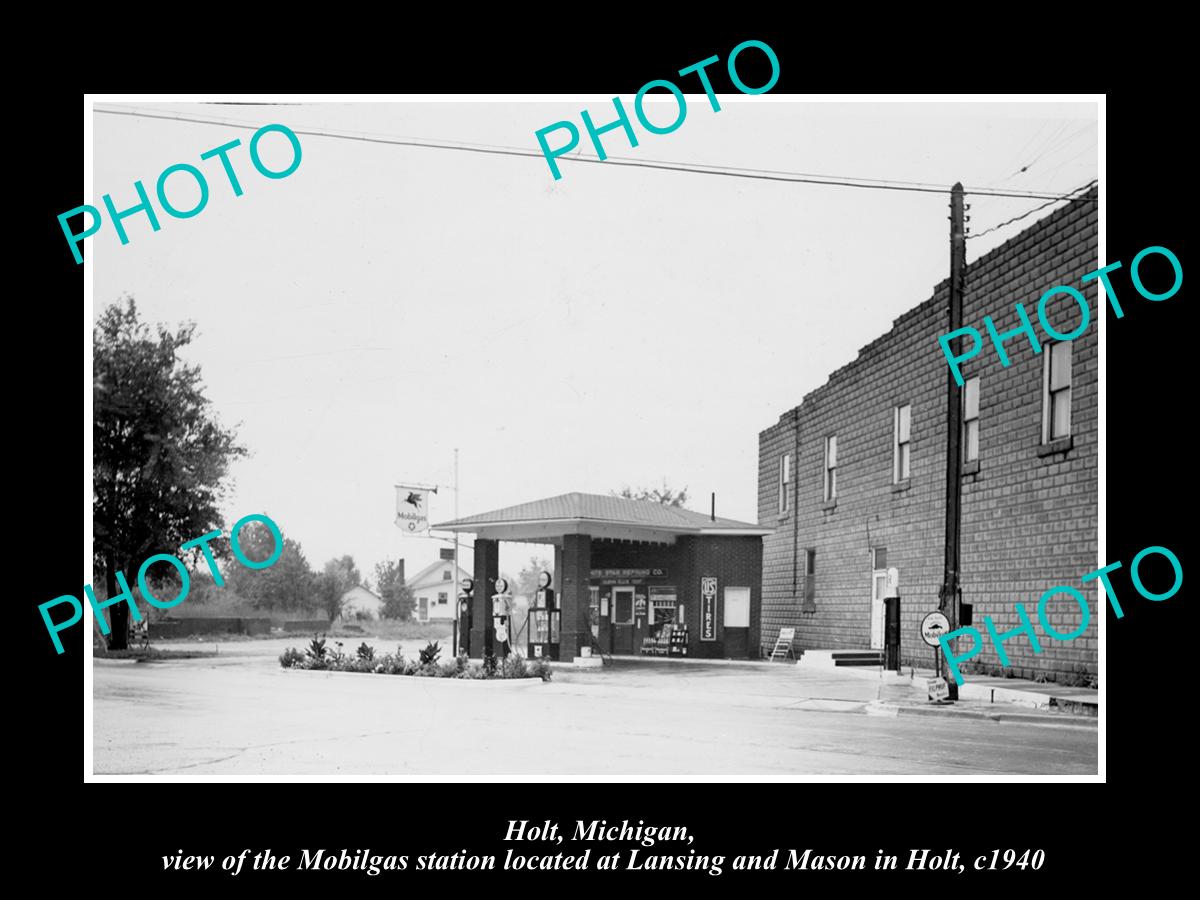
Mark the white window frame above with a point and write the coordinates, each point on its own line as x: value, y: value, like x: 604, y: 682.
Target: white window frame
x: 966, y: 442
x: 830, y: 492
x: 898, y: 475
x: 443, y: 598
x: 785, y: 480
x: 1048, y: 396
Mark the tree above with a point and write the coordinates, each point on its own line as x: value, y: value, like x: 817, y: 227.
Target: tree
x: 398, y: 598
x: 160, y: 459
x: 665, y: 495
x: 527, y: 582
x: 329, y: 588
x: 344, y: 569
x: 286, y: 585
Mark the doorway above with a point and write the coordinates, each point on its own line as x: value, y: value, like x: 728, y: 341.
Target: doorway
x: 622, y: 620
x: 878, y: 589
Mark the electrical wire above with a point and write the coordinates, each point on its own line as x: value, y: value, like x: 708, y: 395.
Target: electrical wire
x: 1035, y: 209
x: 726, y: 171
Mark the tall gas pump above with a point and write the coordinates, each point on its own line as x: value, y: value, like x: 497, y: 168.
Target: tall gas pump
x: 465, y: 594
x: 501, y: 604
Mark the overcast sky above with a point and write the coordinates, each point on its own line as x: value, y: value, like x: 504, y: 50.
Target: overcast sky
x: 382, y: 305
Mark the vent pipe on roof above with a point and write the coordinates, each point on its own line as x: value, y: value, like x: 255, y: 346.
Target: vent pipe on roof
x: 714, y: 506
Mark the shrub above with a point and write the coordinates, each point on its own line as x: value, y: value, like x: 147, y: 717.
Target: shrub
x: 316, y: 648
x: 290, y: 658
x: 430, y: 654
x: 514, y: 666
x: 365, y: 652
x: 540, y: 668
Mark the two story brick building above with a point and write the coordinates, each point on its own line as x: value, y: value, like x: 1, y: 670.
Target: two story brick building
x: 852, y: 480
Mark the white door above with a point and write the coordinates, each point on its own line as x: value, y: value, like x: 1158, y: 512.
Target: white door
x: 878, y: 589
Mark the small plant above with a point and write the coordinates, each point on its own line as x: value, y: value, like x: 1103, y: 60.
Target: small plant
x: 430, y: 654
x: 316, y: 648
x: 489, y: 664
x: 365, y: 652
x: 336, y: 657
x: 514, y: 667
x: 540, y: 668
x: 290, y: 658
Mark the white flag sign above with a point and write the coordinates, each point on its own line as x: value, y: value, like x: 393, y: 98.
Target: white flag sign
x: 412, y: 512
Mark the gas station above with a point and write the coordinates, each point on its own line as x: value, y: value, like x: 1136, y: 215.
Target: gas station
x: 631, y: 577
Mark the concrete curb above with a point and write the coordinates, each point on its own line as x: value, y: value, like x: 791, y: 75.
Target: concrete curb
x: 1051, y: 720
x: 493, y: 683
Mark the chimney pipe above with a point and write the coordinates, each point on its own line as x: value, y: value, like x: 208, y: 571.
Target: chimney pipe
x: 714, y: 506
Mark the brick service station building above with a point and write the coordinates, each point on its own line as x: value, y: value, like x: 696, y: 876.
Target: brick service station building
x: 852, y: 481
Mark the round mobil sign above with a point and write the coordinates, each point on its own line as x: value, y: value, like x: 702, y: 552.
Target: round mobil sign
x: 933, y: 626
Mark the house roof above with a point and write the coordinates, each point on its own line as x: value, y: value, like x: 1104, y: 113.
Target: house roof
x: 599, y: 515
x: 359, y: 587
x: 435, y: 566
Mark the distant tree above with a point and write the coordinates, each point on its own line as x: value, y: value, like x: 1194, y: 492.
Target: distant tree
x: 527, y: 582
x: 328, y: 589
x: 344, y: 569
x: 160, y: 459
x: 398, y: 598
x: 665, y: 495
x: 286, y: 586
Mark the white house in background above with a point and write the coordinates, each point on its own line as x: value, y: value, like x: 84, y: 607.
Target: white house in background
x: 433, y: 588
x: 359, y: 599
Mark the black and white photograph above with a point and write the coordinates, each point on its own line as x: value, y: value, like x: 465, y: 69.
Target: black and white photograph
x: 529, y: 438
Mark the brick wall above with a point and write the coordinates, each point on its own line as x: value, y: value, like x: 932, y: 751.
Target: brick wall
x: 1029, y: 518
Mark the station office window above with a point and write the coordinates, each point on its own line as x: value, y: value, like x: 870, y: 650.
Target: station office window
x: 971, y: 419
x: 785, y: 480
x: 1056, y: 393
x: 902, y: 430
x: 831, y: 467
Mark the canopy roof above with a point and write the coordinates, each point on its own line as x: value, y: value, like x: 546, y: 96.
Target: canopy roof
x: 547, y: 520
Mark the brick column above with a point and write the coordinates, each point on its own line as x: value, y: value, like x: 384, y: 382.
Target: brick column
x: 576, y: 568
x: 487, y: 570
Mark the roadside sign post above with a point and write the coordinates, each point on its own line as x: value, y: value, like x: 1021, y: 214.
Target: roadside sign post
x: 933, y: 626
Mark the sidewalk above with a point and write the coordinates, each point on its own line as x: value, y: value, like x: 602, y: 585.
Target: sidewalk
x: 986, y: 697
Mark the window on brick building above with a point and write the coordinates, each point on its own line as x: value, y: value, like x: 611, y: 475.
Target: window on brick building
x: 831, y: 467
x: 902, y: 431
x: 970, y: 397
x: 785, y: 481
x: 1056, y: 393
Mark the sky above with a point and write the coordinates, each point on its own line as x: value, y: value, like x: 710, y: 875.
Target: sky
x: 383, y: 305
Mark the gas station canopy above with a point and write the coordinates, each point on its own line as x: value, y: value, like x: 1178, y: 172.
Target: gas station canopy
x: 616, y: 518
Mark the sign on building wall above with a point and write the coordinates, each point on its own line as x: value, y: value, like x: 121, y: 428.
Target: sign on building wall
x: 708, y: 608
x: 626, y: 576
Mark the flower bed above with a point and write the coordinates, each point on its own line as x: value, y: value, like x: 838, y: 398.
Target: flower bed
x: 317, y: 656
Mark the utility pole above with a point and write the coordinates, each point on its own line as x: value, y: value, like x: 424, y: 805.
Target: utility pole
x: 958, y: 265
x: 455, y: 594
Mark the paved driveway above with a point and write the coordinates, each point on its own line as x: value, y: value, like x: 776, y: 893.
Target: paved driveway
x: 241, y: 715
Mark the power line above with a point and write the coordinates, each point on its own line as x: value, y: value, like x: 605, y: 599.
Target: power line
x: 726, y: 171
x: 1032, y: 211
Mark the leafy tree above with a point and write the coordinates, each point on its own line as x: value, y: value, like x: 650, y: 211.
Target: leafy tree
x: 160, y: 459
x: 398, y: 598
x: 287, y: 585
x: 666, y: 495
x: 345, y: 571
x: 327, y: 591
